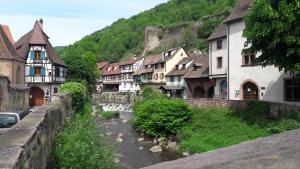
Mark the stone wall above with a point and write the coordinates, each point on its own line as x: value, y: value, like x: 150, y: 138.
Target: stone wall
x: 29, y: 143
x: 113, y: 97
x: 13, y: 98
x: 275, y: 108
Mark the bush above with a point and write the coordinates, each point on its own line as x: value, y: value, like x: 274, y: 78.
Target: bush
x: 78, y: 93
x: 161, y: 116
x: 81, y: 146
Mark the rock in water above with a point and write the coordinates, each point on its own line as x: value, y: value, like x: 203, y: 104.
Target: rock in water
x: 156, y: 149
x: 172, y: 146
x: 141, y: 139
x: 125, y: 121
x: 120, y: 140
x: 186, y: 154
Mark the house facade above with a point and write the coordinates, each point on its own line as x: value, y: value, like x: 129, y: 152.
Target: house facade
x: 218, y: 61
x: 245, y: 79
x: 44, y: 70
x: 111, y: 78
x: 156, y: 67
x: 14, y: 95
x: 128, y: 68
x: 101, y: 66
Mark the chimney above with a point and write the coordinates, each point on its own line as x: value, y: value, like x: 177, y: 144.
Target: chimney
x: 41, y: 22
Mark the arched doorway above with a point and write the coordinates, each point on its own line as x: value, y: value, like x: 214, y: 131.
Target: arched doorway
x: 36, y: 97
x: 250, y: 91
x: 199, y: 92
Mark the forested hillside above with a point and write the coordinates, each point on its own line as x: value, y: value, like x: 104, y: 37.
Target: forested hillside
x: 126, y: 37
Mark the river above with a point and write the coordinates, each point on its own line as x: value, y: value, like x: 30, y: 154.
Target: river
x: 131, y: 153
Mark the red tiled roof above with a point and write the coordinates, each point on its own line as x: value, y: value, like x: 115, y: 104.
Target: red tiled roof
x: 201, y: 63
x: 8, y: 33
x: 7, y: 50
x: 101, y: 65
x: 37, y: 37
x: 130, y: 61
x: 112, y: 69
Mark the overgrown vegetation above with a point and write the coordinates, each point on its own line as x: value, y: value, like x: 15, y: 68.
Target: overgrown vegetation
x: 78, y: 93
x: 80, y: 144
x: 109, y: 114
x: 157, y: 115
x: 125, y: 37
x: 212, y: 128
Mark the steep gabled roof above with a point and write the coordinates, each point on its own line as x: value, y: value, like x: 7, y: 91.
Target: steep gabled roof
x: 239, y: 11
x: 7, y: 50
x: 219, y: 32
x: 112, y: 69
x: 181, y: 72
x: 202, y: 69
x: 130, y: 61
x: 101, y: 65
x: 37, y: 37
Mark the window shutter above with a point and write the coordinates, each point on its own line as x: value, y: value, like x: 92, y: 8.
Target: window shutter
x: 43, y: 71
x: 43, y: 55
x: 32, y: 55
x: 31, y: 71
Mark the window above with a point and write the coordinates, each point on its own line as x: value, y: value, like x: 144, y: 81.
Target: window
x: 57, y: 72
x: 37, y: 55
x: 162, y: 76
x: 177, y: 67
x: 248, y: 59
x: 131, y: 85
x: 183, y: 66
x: 162, y: 65
x: 156, y: 66
x: 55, y: 90
x: 179, y: 78
x: 171, y: 78
x: 37, y: 70
x: 219, y: 44
x: 291, y: 90
x: 219, y: 62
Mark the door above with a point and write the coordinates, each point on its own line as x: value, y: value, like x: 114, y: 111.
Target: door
x: 250, y: 91
x: 36, y: 97
x: 199, y: 92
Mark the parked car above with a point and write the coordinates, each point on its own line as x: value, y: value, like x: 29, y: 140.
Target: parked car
x: 9, y: 119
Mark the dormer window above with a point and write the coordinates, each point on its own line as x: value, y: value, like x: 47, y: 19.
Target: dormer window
x: 177, y: 67
x: 183, y: 66
x: 156, y: 66
x: 219, y: 44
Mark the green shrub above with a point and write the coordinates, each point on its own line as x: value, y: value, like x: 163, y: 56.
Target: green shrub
x: 109, y: 114
x: 161, y: 116
x: 259, y: 107
x: 81, y: 146
x: 78, y: 93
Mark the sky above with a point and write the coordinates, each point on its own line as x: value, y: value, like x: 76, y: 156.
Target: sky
x: 67, y: 21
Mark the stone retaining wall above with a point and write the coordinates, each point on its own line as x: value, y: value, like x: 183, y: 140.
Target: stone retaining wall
x: 113, y: 97
x: 275, y: 108
x: 29, y: 143
x: 13, y: 98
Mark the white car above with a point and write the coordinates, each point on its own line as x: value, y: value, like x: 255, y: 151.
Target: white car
x: 9, y: 119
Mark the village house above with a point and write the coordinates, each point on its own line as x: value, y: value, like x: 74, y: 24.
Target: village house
x: 128, y: 67
x: 111, y: 77
x: 13, y: 92
x: 218, y: 61
x: 155, y: 67
x: 246, y: 80
x: 44, y: 70
x: 101, y: 66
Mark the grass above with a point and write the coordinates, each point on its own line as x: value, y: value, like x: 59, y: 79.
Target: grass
x: 109, y: 114
x: 212, y: 128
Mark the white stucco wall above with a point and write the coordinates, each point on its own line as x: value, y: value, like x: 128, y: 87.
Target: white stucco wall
x: 214, y: 53
x: 269, y: 77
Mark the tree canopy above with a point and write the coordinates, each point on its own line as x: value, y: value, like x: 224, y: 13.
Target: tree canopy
x: 272, y: 29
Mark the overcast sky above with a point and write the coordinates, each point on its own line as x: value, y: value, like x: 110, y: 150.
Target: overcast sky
x: 66, y: 21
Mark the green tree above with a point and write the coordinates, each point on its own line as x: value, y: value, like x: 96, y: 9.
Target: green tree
x: 272, y: 29
x: 82, y: 68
